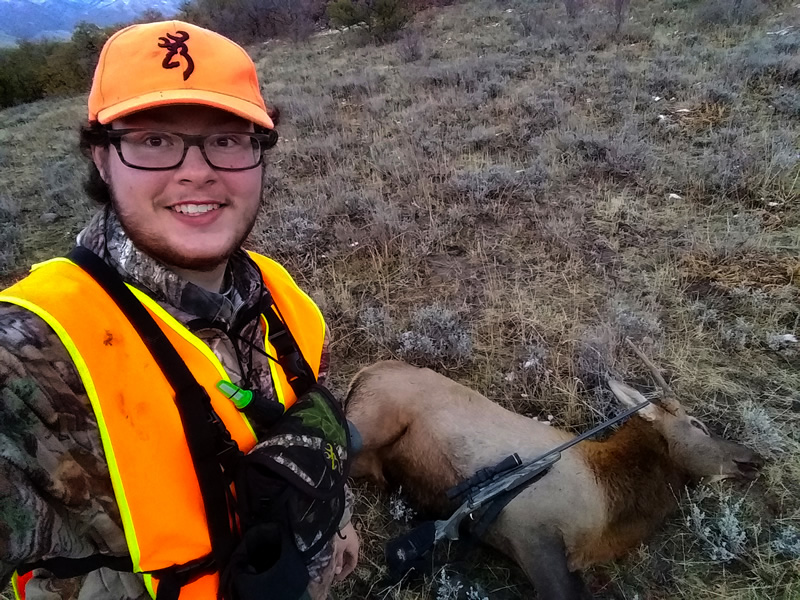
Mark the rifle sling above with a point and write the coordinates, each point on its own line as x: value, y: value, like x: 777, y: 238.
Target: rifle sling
x: 490, y: 513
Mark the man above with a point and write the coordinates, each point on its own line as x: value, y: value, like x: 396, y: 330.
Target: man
x: 90, y: 429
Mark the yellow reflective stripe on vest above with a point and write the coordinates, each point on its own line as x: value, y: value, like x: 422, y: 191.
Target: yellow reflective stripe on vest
x: 179, y: 329
x: 91, y: 392
x: 51, y: 260
x: 195, y: 341
x: 15, y: 586
x: 148, y: 583
x: 279, y: 267
x: 273, y: 365
x: 276, y: 273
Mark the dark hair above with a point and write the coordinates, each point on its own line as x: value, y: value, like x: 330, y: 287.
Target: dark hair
x: 275, y: 114
x: 94, y: 134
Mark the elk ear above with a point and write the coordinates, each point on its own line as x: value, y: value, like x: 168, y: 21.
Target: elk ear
x: 631, y: 397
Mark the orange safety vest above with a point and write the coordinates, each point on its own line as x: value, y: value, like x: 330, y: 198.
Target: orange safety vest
x: 149, y: 461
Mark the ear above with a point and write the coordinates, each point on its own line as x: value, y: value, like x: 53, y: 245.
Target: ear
x: 100, y: 158
x: 630, y: 397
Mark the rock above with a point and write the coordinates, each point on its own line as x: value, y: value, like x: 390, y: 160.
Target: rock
x: 49, y: 217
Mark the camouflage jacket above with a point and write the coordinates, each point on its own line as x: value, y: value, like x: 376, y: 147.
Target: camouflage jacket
x: 56, y: 497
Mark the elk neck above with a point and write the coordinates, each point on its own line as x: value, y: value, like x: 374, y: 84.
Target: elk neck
x: 640, y: 481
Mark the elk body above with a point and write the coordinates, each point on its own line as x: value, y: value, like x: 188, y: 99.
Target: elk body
x: 428, y: 433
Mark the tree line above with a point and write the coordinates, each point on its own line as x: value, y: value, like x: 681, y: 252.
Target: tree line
x: 41, y: 69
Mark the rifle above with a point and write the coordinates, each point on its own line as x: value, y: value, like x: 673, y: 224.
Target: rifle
x: 409, y: 551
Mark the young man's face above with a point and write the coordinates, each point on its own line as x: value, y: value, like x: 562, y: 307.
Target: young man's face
x: 153, y: 206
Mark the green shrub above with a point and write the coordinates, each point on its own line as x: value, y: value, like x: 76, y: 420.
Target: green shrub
x: 726, y: 13
x: 9, y: 250
x: 346, y: 13
x: 436, y: 335
x: 22, y: 77
x: 37, y: 70
x: 383, y: 19
x: 248, y: 21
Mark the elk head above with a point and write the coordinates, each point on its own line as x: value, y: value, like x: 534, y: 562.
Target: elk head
x: 691, y: 445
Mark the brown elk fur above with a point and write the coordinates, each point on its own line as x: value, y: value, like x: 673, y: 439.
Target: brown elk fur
x: 426, y: 432
x: 395, y: 457
x: 641, y: 484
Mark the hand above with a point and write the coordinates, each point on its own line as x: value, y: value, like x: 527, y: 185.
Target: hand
x: 345, y: 552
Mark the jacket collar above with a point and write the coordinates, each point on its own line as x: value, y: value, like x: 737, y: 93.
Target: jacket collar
x: 105, y: 237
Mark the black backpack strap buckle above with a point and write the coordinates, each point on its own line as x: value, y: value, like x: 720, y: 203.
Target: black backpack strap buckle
x: 275, y: 337
x: 172, y: 579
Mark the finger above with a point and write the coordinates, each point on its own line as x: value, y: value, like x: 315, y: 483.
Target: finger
x: 343, y: 569
x: 339, y: 548
x: 349, y: 565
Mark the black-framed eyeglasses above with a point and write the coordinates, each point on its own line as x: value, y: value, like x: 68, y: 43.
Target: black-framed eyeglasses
x: 152, y: 150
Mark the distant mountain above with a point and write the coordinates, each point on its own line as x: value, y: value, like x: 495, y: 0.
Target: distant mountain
x: 6, y: 40
x: 34, y: 19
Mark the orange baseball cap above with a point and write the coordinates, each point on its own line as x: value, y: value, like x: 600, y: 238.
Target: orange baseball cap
x: 172, y: 62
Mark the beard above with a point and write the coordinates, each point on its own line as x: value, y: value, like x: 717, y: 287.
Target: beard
x: 157, y: 248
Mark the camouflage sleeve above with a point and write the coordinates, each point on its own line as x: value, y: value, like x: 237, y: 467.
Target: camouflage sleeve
x: 349, y: 500
x: 325, y: 359
x: 56, y: 497
x: 324, y: 367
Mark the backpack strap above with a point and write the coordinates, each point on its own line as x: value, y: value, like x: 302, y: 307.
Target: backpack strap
x: 64, y: 568
x: 209, y: 442
x: 298, y: 372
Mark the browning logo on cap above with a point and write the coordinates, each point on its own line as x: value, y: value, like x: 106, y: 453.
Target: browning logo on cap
x: 176, y: 44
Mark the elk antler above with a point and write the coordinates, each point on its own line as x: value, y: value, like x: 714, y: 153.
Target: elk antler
x: 668, y: 402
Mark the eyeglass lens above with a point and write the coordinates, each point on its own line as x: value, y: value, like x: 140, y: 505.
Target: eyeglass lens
x: 156, y: 149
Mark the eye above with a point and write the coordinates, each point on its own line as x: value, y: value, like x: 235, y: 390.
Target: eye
x: 699, y: 425
x: 149, y: 139
x: 229, y: 140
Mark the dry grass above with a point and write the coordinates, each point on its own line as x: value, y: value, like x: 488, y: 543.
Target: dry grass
x: 552, y: 186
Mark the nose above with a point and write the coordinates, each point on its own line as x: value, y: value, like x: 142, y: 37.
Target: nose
x: 195, y: 167
x: 750, y: 465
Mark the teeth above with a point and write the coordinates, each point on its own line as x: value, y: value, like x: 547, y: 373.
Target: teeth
x: 193, y: 209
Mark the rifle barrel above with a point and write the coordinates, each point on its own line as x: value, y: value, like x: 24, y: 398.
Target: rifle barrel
x: 593, y: 431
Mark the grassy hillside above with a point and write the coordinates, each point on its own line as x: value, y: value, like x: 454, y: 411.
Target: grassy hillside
x: 504, y: 195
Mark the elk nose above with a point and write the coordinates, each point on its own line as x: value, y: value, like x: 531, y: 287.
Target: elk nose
x: 749, y: 467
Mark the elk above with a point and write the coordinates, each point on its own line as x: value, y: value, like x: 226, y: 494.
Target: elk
x: 427, y: 433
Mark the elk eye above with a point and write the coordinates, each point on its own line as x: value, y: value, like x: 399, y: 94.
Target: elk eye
x: 698, y: 425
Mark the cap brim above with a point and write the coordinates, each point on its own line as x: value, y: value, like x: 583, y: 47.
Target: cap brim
x: 239, y: 107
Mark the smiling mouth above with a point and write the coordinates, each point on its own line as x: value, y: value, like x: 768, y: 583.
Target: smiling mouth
x: 194, y: 209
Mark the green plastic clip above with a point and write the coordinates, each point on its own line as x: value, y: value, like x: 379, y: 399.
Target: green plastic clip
x: 240, y: 398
